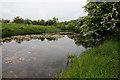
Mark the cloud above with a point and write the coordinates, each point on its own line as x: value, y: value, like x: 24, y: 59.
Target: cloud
x: 43, y: 9
x: 43, y: 1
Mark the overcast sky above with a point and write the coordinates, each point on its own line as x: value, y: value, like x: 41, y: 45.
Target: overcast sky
x: 64, y: 10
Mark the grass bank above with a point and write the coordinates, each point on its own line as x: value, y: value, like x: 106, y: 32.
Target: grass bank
x: 22, y: 29
x: 99, y: 62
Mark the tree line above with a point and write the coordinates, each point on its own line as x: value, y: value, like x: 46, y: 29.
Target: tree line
x: 103, y: 20
x: 20, y: 20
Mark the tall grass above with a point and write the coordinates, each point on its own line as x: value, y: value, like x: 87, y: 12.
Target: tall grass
x: 99, y: 62
x: 19, y: 29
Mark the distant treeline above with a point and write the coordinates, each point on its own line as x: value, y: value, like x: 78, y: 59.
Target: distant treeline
x: 20, y: 20
x: 102, y: 21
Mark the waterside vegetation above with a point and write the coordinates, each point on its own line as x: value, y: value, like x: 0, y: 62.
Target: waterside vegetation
x: 22, y: 29
x: 101, y: 25
x: 99, y: 62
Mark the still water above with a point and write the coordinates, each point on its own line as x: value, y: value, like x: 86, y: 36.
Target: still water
x: 37, y: 56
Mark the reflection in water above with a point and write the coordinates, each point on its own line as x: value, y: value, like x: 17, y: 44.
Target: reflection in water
x: 20, y: 39
x: 36, y: 56
x: 86, y: 42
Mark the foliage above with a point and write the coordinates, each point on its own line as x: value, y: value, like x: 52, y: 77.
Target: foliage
x: 20, y: 20
x: 67, y: 25
x: 22, y: 29
x: 102, y: 20
x: 99, y: 62
x: 27, y: 21
x: 4, y: 21
x: 61, y: 26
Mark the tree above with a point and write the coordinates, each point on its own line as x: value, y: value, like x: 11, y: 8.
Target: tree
x: 70, y: 26
x: 55, y: 20
x: 41, y: 22
x: 4, y: 21
x: 102, y: 20
x: 18, y: 20
x: 49, y: 22
x: 35, y: 22
x: 27, y: 21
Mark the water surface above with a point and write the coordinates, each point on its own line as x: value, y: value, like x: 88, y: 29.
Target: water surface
x: 37, y: 57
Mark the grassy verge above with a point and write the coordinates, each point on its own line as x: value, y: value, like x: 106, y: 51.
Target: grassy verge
x: 99, y: 62
x: 20, y: 29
